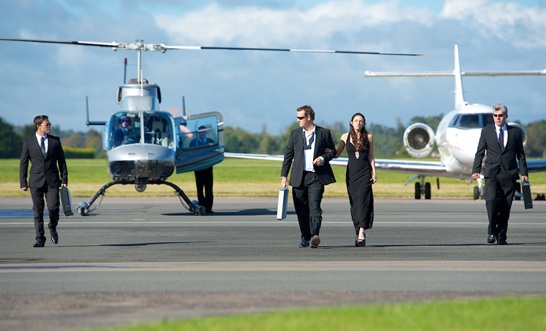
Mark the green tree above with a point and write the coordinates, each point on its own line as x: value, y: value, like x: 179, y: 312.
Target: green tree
x: 93, y: 139
x: 237, y: 140
x: 431, y: 121
x: 536, y: 139
x: 10, y: 142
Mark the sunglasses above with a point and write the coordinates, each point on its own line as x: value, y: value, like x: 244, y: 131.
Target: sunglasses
x: 48, y: 124
x: 498, y: 115
x: 301, y: 117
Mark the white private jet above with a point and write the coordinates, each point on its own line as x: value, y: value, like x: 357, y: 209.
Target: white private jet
x: 456, y: 137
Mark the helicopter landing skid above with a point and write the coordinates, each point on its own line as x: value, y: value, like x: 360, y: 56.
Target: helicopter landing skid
x: 84, y: 208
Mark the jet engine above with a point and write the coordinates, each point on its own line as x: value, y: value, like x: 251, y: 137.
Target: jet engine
x: 419, y: 140
x: 522, y: 130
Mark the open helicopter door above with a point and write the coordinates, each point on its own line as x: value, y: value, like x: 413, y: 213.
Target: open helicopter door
x: 200, y: 142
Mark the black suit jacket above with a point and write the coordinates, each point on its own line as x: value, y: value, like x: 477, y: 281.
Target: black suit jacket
x: 498, y: 160
x: 294, y: 152
x: 43, y: 169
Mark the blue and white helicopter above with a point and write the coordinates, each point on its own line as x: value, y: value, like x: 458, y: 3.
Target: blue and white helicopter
x: 157, y: 143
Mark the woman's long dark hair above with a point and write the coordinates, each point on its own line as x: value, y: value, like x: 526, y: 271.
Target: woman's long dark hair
x: 361, y: 142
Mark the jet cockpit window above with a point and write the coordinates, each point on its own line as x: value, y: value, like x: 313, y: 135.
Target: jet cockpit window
x: 454, y: 120
x: 469, y: 121
x: 487, y: 119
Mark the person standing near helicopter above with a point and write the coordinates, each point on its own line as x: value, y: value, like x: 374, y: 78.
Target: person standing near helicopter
x: 204, y: 177
x: 47, y: 174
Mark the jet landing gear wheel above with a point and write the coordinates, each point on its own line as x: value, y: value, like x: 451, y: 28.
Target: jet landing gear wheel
x: 428, y: 193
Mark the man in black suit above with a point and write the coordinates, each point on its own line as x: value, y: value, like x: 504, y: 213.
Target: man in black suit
x: 311, y: 170
x: 503, y: 144
x: 204, y: 177
x: 47, y: 174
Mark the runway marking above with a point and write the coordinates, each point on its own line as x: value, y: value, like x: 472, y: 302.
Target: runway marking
x: 287, y: 266
x: 251, y: 222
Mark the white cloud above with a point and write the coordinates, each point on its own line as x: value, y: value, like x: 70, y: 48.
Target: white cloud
x: 262, y: 27
x: 511, y: 22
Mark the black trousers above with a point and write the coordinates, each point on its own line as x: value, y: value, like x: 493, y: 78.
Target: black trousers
x: 203, y: 181
x: 307, y: 199
x: 499, y: 195
x: 51, y: 195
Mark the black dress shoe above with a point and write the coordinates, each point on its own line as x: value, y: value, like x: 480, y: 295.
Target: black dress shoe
x: 501, y: 241
x: 39, y: 244
x: 54, y: 236
x: 491, y: 239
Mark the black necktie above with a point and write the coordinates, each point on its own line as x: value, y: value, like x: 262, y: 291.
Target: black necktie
x: 308, y: 145
x: 501, y: 138
x: 43, y: 146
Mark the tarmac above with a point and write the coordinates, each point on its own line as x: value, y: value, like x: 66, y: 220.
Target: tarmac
x: 148, y: 259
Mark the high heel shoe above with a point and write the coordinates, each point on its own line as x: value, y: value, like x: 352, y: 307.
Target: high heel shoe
x: 361, y: 242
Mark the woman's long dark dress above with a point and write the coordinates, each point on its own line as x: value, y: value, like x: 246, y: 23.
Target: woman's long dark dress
x: 359, y: 187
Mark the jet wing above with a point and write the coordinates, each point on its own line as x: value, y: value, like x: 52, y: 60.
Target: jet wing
x: 536, y: 165
x: 426, y: 168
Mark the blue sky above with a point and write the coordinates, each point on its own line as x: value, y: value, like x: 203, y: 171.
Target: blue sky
x: 257, y: 90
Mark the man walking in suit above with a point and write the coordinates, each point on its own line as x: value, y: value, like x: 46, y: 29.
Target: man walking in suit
x: 204, y: 177
x: 311, y: 170
x: 503, y: 144
x: 47, y: 173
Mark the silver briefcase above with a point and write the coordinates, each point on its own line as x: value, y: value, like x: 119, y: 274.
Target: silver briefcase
x: 282, y: 204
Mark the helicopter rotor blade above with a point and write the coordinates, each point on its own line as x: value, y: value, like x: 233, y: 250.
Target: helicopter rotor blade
x: 83, y: 43
x: 139, y: 45
x: 166, y: 47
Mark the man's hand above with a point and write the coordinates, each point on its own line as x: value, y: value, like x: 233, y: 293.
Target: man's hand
x: 475, y: 175
x: 319, y: 161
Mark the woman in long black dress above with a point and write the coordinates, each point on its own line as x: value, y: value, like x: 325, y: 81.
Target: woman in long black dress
x: 360, y: 175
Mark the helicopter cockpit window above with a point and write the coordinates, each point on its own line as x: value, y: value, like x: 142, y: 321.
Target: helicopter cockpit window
x: 124, y: 130
x: 158, y: 129
x: 199, y: 132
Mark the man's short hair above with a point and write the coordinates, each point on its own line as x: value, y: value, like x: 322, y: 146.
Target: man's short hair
x: 308, y: 111
x: 38, y: 120
x: 500, y: 107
